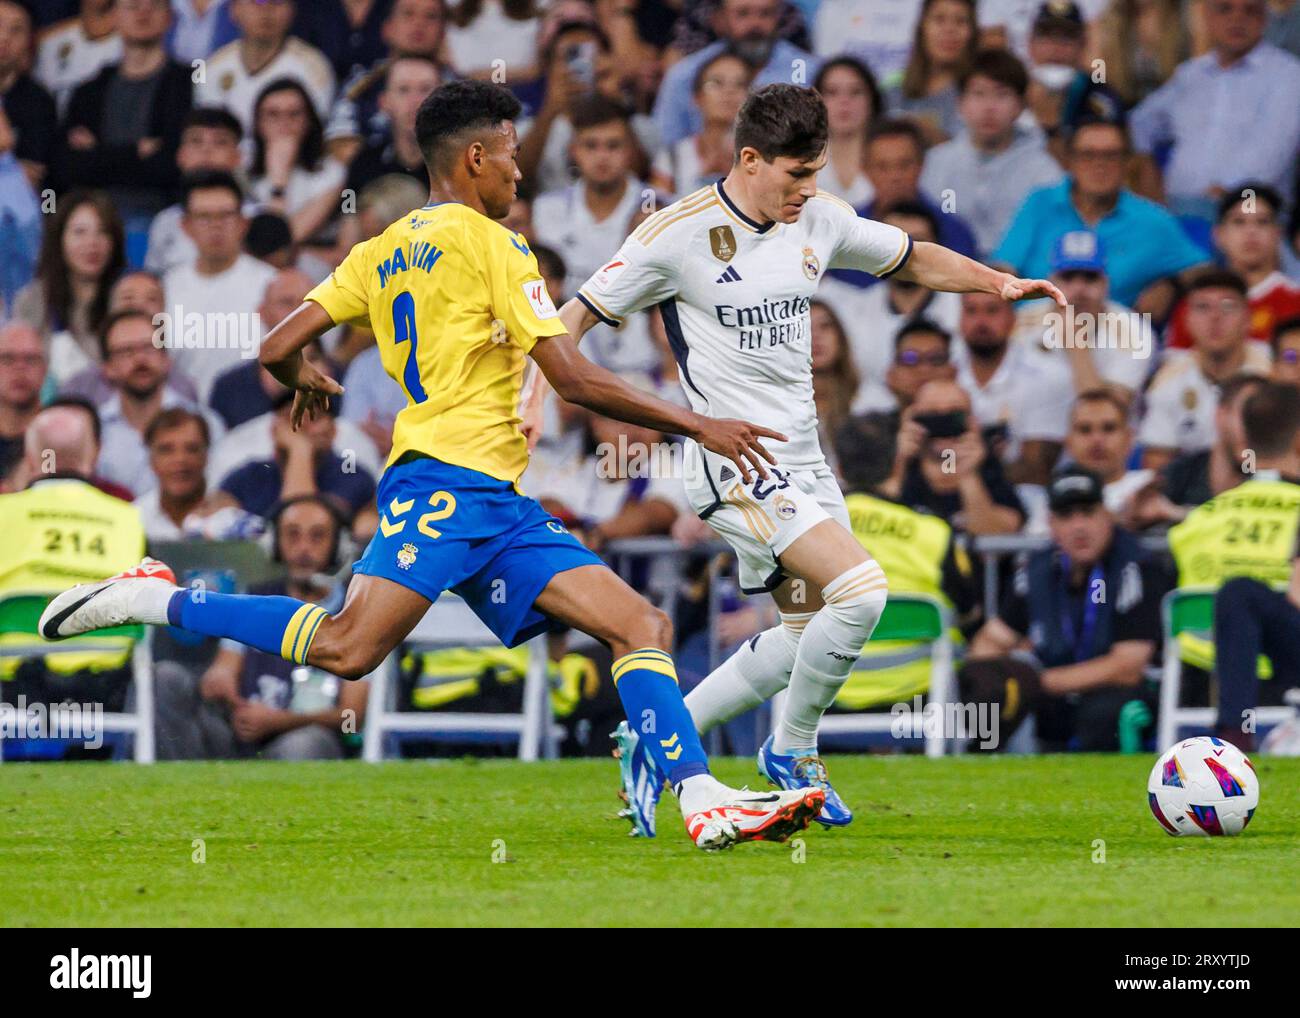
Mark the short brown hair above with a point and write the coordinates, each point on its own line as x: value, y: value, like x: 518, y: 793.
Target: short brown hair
x: 783, y: 120
x: 112, y: 321
x: 1271, y: 419
x: 1101, y: 394
x: 175, y: 417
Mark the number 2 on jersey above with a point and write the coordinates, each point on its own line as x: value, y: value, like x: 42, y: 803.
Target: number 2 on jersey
x: 404, y: 330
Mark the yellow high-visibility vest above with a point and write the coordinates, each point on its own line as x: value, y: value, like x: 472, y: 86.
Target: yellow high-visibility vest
x: 1249, y: 530
x: 911, y: 548
x: 58, y: 533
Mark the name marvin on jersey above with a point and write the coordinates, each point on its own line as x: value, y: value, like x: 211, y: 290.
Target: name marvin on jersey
x: 768, y: 324
x: 422, y: 255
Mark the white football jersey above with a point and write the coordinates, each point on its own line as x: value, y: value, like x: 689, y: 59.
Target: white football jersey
x: 735, y: 294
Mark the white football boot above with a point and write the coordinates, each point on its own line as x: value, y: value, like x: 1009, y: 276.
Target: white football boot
x: 755, y: 816
x: 106, y: 603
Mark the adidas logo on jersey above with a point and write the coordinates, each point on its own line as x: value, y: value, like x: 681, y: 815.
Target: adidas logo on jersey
x: 730, y: 276
x: 726, y: 474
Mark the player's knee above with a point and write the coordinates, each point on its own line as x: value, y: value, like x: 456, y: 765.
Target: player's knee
x: 345, y: 654
x: 856, y: 598
x: 651, y: 627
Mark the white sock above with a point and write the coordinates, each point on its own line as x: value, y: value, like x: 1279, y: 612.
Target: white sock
x: 700, y: 791
x: 758, y: 670
x: 827, y: 653
x: 150, y: 599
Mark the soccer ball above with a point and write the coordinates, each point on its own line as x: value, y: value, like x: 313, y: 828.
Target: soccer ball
x: 1204, y: 787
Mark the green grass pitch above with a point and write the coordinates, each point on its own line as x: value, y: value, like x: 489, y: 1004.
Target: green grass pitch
x: 959, y: 841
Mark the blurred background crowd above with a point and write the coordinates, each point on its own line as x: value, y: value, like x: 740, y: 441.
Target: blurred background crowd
x: 211, y: 160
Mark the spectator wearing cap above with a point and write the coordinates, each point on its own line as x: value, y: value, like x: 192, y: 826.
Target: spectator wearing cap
x: 1226, y: 116
x: 1009, y: 24
x: 1104, y: 342
x: 944, y: 466
x: 1021, y: 401
x: 995, y: 162
x: 28, y: 120
x: 210, y: 140
x: 1144, y: 243
x: 136, y: 369
x: 1248, y: 235
x: 412, y: 28
x: 1076, y: 631
x: 1056, y: 45
x: 122, y: 128
x: 750, y: 27
x: 895, y: 159
x: 1181, y: 402
x: 943, y: 46
x: 263, y: 53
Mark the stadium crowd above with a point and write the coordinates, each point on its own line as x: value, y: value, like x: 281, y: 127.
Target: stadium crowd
x: 204, y: 163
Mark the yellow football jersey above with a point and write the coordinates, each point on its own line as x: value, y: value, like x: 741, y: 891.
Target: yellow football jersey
x: 455, y: 302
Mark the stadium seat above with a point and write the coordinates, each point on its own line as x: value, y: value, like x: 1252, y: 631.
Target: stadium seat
x: 913, y: 617
x: 19, y: 616
x: 450, y: 623
x: 1191, y: 610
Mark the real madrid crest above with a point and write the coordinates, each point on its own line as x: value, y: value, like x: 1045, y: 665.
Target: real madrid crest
x: 227, y: 81
x: 1189, y: 399
x: 785, y: 507
x: 811, y: 266
x: 723, y: 243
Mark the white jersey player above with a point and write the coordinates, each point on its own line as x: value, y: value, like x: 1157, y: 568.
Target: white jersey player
x: 732, y: 269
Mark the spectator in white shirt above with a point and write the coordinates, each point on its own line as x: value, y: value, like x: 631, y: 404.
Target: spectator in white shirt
x: 210, y: 140
x: 1180, y: 405
x: 212, y: 302
x: 853, y: 101
x: 290, y: 174
x: 265, y: 51
x: 1101, y: 439
x: 591, y: 217
x: 177, y: 441
x: 1021, y: 404
x: 1229, y: 115
x: 995, y: 162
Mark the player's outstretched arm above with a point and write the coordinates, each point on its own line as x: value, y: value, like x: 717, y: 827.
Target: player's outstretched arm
x: 578, y: 380
x: 281, y: 354
x: 940, y: 268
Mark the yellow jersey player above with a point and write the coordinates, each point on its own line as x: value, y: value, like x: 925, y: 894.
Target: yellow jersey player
x: 456, y: 304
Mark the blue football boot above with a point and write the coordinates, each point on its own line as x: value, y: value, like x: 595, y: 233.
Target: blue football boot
x: 804, y: 772
x: 642, y: 780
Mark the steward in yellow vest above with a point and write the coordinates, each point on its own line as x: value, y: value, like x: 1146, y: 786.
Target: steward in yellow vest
x: 917, y: 553
x: 61, y: 531
x: 1249, y: 530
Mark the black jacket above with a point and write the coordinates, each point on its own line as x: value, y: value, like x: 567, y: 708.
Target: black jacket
x: 121, y: 165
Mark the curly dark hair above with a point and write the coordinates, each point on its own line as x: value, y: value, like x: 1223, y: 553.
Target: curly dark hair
x: 783, y: 120
x: 457, y: 107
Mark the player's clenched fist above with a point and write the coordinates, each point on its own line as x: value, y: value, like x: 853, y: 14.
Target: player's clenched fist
x: 739, y: 442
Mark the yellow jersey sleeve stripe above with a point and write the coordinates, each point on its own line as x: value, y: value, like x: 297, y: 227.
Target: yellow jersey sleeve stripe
x: 599, y: 310
x: 290, y: 638
x: 649, y: 238
x: 904, y: 253
x: 649, y: 666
